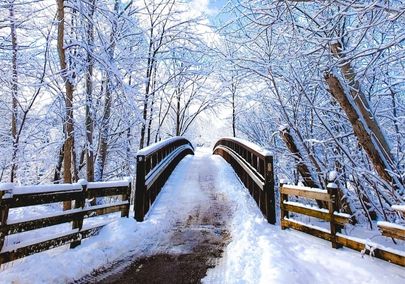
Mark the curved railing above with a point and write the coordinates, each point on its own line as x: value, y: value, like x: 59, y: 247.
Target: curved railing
x: 254, y: 166
x: 154, y: 165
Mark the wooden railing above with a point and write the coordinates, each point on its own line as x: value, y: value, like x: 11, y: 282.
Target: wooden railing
x: 154, y: 166
x: 332, y: 215
x: 392, y: 230
x: 254, y: 167
x: 17, y: 197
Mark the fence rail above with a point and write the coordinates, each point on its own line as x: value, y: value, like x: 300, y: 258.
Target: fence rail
x: 154, y: 166
x: 392, y: 230
x: 254, y: 166
x: 21, y: 197
x: 336, y: 220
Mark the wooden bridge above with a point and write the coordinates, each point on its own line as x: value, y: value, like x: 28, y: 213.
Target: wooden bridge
x: 253, y: 165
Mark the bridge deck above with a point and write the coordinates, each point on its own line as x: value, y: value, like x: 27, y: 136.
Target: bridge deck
x: 198, y: 234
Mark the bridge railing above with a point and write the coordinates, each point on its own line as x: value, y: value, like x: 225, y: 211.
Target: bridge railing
x: 154, y: 166
x: 254, y: 167
x: 24, y: 197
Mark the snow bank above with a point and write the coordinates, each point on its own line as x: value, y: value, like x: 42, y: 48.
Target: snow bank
x: 120, y: 239
x: 156, y: 146
x: 251, y: 145
x: 263, y: 253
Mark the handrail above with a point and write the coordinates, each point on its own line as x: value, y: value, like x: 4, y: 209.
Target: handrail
x: 254, y: 167
x: 154, y: 165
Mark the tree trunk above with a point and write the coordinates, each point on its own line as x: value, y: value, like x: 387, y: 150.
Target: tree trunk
x: 151, y: 106
x: 149, y: 69
x: 361, y: 101
x: 89, y: 96
x: 178, y: 112
x: 14, y: 92
x: 105, y: 122
x: 362, y: 132
x: 68, y: 123
x: 302, y: 167
x: 233, y: 111
x: 58, y: 168
x: 104, y: 133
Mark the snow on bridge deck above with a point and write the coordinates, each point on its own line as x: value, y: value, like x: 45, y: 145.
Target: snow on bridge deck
x: 257, y: 252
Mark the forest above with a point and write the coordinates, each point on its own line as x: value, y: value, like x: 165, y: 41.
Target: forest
x: 85, y: 84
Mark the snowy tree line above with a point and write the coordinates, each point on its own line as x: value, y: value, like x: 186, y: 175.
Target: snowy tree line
x: 85, y: 84
x: 330, y: 96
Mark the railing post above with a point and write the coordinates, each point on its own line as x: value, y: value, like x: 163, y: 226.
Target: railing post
x: 334, y: 228
x: 79, y: 203
x: 140, y: 188
x: 283, y: 197
x: 269, y: 190
x: 125, y: 197
x: 6, y: 191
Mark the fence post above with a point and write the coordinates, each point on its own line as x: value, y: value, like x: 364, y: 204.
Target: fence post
x: 125, y: 197
x: 283, y: 197
x: 334, y: 228
x: 6, y: 192
x: 139, y: 188
x: 79, y: 203
x: 269, y: 190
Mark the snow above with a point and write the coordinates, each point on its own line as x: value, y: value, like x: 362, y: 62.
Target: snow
x: 309, y: 206
x: 390, y: 225
x: 156, y: 146
x: 283, y: 127
x: 398, y: 208
x: 304, y: 188
x: 26, y: 189
x: 108, y: 184
x: 46, y: 188
x: 332, y: 185
x: 263, y: 253
x: 371, y: 245
x: 258, y: 252
x: 332, y: 175
x: 251, y: 145
x: 8, y: 189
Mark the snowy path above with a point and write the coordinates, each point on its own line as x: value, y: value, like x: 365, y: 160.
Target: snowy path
x: 203, y: 208
x: 194, y: 242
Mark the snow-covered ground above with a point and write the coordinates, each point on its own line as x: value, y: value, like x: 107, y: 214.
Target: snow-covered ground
x: 258, y: 252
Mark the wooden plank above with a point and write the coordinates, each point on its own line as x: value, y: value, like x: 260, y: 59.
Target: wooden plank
x: 315, y: 212
x: 29, y: 199
x: 12, y: 254
x: 379, y: 252
x: 392, y: 232
x: 64, y: 217
x: 311, y: 193
x: 398, y: 208
x: 102, y: 192
x: 289, y: 223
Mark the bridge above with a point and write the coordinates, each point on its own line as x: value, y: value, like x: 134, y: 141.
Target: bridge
x: 189, y: 205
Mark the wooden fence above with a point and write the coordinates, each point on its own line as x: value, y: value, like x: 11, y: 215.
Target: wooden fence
x: 336, y: 221
x: 254, y: 166
x: 395, y: 231
x: 154, y: 166
x: 11, y: 198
